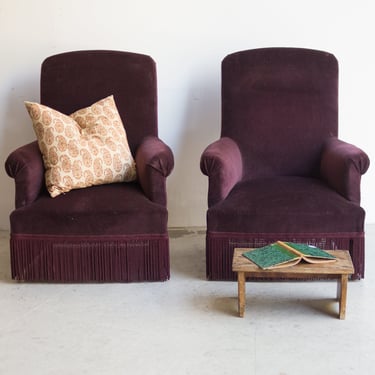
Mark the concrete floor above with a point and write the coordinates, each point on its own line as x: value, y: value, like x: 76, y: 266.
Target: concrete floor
x: 186, y: 325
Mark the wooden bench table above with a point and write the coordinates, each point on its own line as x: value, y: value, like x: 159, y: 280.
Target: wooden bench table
x: 339, y: 270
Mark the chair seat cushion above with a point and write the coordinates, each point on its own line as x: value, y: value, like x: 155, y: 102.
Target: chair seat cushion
x: 285, y: 205
x: 112, y: 209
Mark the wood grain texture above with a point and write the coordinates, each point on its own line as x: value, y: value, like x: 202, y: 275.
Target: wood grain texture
x: 339, y: 270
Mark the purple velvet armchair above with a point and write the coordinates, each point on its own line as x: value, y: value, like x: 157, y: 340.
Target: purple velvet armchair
x: 107, y: 233
x: 279, y: 171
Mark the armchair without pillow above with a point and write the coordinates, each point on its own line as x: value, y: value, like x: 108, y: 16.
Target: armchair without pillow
x: 110, y: 232
x: 279, y: 171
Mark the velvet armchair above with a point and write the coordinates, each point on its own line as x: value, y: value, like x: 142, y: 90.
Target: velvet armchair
x: 112, y: 232
x: 279, y: 170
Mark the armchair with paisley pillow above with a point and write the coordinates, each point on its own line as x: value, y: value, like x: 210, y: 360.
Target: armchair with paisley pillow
x: 90, y: 192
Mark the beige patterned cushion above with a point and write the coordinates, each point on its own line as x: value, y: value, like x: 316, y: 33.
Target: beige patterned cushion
x: 87, y: 148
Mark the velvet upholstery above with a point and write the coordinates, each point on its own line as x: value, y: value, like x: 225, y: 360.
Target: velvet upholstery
x: 107, y: 233
x: 279, y: 171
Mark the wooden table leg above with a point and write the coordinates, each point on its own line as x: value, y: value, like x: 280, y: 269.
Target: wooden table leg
x: 241, y: 293
x: 342, y: 288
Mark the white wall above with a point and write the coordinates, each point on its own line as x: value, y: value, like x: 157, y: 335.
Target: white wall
x: 188, y: 40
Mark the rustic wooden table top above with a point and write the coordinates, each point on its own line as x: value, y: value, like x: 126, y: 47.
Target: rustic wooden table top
x: 343, y: 266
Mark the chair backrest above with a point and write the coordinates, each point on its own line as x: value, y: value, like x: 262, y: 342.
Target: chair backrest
x: 280, y: 105
x: 74, y: 80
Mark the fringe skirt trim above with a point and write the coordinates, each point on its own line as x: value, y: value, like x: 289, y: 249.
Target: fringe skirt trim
x: 130, y: 258
x: 220, y: 247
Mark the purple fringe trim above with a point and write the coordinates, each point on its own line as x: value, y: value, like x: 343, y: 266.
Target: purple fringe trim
x: 220, y: 246
x: 90, y: 258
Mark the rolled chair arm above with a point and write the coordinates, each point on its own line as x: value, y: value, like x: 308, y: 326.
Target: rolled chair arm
x: 342, y: 165
x: 25, y: 165
x: 221, y: 161
x: 154, y: 161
